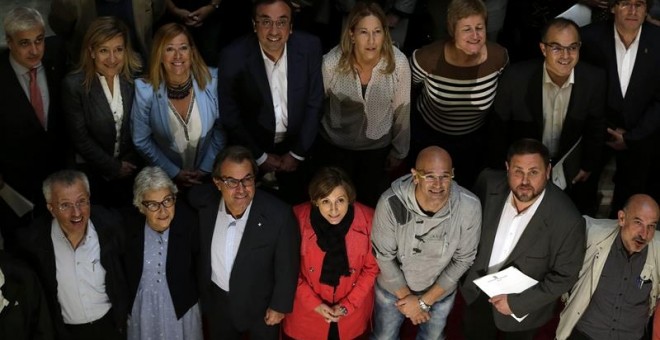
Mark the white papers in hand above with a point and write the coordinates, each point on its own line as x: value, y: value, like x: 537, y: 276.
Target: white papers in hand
x: 507, y: 281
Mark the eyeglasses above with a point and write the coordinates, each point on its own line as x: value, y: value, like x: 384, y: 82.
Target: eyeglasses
x: 431, y: 178
x: 154, y: 206
x: 559, y: 49
x: 268, y: 23
x: 68, y: 206
x: 232, y: 183
x: 630, y: 5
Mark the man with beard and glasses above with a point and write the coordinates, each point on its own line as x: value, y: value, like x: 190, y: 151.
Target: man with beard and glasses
x: 618, y: 286
x: 529, y: 224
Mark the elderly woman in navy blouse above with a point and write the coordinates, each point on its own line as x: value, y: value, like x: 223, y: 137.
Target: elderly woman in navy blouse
x: 160, y: 260
x: 175, y: 117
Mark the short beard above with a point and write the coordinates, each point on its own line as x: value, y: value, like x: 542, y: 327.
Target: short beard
x: 528, y: 198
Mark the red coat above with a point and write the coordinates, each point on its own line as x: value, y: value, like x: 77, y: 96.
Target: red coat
x: 355, y: 292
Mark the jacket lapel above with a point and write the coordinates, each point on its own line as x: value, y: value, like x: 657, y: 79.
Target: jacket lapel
x: 492, y: 212
x: 534, y: 99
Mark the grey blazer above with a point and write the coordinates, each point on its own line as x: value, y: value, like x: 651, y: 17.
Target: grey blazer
x: 550, y: 250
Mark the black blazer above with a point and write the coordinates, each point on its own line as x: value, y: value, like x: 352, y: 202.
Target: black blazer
x: 518, y: 112
x: 91, y: 126
x: 265, y: 271
x: 639, y: 112
x: 550, y: 250
x: 26, y: 316
x: 28, y: 153
x: 246, y: 103
x: 182, y: 257
x: 36, y: 248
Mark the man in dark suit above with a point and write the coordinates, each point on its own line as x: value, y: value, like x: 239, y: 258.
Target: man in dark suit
x: 30, y: 128
x: 558, y: 101
x: 250, y: 253
x: 629, y: 52
x: 529, y: 224
x: 23, y: 310
x: 76, y: 256
x: 271, y: 92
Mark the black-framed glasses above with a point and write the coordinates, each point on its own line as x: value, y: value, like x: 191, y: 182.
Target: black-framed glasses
x: 268, y: 23
x: 68, y: 206
x: 232, y: 183
x: 559, y: 49
x: 154, y: 206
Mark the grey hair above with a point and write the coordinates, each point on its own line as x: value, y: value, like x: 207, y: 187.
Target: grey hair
x: 151, y: 178
x: 22, y: 19
x: 64, y: 177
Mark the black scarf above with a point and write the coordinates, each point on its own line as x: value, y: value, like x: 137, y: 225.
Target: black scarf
x: 332, y: 240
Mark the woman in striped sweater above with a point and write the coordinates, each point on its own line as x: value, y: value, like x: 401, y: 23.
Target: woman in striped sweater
x: 454, y: 84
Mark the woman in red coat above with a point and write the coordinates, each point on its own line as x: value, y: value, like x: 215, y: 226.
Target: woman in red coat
x: 335, y: 295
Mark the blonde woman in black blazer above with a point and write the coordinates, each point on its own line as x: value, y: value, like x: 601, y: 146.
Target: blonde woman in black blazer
x: 97, y: 100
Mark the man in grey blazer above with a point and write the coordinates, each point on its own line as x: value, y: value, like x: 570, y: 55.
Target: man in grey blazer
x: 530, y: 224
x: 250, y: 251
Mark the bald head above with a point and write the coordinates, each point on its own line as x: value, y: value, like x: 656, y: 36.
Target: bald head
x: 638, y: 221
x: 433, y: 154
x: 432, y: 177
x: 642, y: 201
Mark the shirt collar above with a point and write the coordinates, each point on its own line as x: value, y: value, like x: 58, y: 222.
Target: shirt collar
x: 266, y: 59
x: 635, y: 42
x: 20, y: 69
x: 531, y: 209
x: 223, y: 210
x: 548, y: 80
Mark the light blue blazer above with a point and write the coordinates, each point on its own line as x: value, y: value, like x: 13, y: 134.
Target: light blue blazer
x: 151, y: 133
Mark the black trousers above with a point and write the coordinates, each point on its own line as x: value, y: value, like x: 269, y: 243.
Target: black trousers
x: 478, y: 323
x: 101, y: 329
x: 366, y: 168
x: 221, y: 326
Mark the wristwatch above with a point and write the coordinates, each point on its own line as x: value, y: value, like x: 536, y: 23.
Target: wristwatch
x: 343, y: 310
x: 423, y: 306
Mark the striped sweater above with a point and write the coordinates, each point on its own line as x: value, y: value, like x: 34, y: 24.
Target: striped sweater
x: 455, y: 100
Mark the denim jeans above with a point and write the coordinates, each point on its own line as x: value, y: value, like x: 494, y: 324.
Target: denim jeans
x: 387, y: 318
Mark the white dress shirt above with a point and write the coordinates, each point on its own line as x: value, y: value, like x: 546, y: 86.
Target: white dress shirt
x: 227, y: 236
x: 80, y: 277
x: 276, y: 71
x: 512, y: 225
x: 625, y: 59
x: 555, y: 104
x: 116, y: 106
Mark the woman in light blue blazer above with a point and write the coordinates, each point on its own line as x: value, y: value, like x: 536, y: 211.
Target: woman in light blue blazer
x: 175, y: 119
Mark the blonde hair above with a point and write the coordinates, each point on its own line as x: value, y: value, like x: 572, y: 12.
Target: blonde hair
x: 101, y: 30
x: 360, y: 11
x: 165, y: 34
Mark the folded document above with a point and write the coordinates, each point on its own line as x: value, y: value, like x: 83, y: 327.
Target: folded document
x: 507, y: 281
